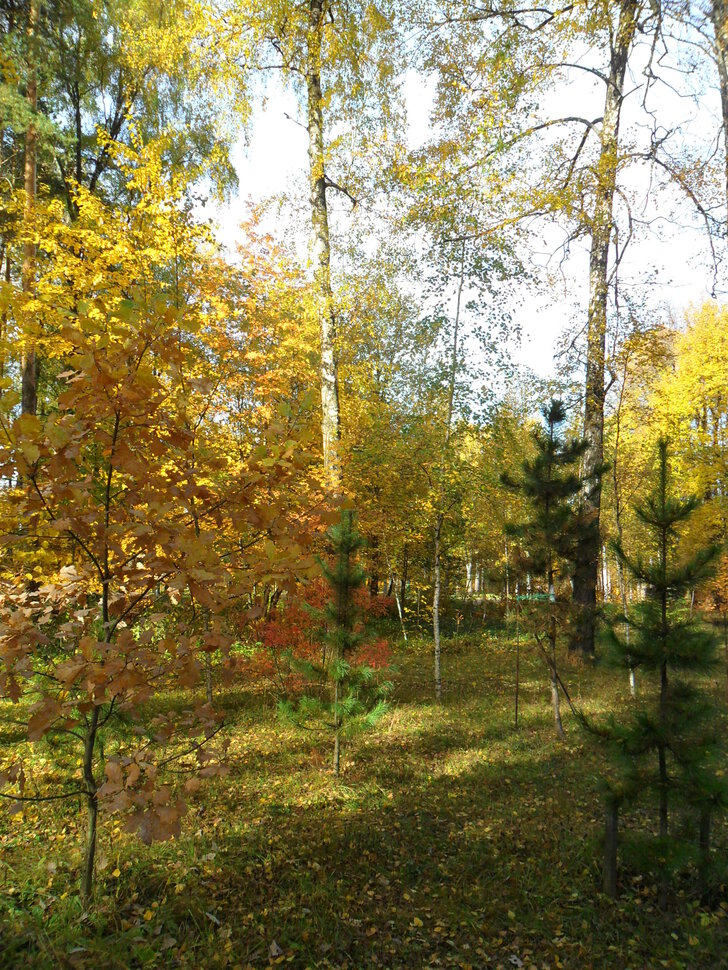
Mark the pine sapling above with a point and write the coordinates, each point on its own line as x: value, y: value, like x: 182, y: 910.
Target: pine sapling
x: 667, y: 744
x: 357, y: 700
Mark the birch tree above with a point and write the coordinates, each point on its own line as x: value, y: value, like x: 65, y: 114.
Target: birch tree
x: 338, y: 58
x: 504, y: 72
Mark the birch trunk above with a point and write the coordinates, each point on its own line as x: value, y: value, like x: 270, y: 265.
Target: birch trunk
x: 440, y: 517
x: 28, y: 362
x: 719, y: 19
x: 330, y: 416
x: 555, y: 698
x: 587, y: 560
x: 436, y: 608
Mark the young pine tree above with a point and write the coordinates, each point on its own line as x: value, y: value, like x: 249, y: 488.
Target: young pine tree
x: 668, y: 745
x: 550, y: 481
x: 356, y: 699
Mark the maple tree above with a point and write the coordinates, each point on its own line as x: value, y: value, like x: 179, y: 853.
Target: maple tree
x: 128, y: 484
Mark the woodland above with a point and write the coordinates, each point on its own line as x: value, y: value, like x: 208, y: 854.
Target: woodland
x: 334, y: 633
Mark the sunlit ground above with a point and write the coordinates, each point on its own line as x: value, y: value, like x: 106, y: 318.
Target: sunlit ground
x: 451, y: 840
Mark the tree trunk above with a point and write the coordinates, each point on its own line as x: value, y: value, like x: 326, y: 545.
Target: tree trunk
x: 555, y: 697
x: 330, y: 415
x: 622, y: 579
x: 663, y: 786
x: 719, y: 18
x: 508, y: 589
x: 436, y: 608
x: 403, y: 584
x: 28, y: 362
x: 587, y: 559
x: 87, y: 878
x: 4, y: 314
x: 556, y: 705
x: 208, y: 679
x: 440, y: 518
x: 518, y: 660
x: 337, y: 731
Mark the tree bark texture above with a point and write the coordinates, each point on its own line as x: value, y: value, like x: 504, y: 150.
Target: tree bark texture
x: 719, y: 19
x: 602, y: 221
x: 330, y: 415
x: 436, y: 607
x: 29, y: 362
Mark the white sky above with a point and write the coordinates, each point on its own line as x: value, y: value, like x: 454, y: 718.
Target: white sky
x: 676, y: 261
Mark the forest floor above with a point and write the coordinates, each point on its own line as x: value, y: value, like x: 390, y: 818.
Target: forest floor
x: 452, y: 840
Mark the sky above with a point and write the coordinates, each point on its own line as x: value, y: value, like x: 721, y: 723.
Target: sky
x: 666, y: 270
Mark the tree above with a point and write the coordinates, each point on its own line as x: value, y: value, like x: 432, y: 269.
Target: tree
x: 357, y: 699
x: 503, y: 69
x: 77, y: 78
x: 337, y: 57
x: 550, y: 534
x: 78, y: 646
x: 668, y: 744
x: 132, y: 500
x: 719, y: 20
x: 29, y: 364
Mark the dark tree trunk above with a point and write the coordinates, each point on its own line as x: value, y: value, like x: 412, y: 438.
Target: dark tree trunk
x: 29, y: 362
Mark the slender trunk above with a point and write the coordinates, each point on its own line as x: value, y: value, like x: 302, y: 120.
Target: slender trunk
x: 28, y: 362
x: 92, y: 807
x: 556, y: 705
x: 719, y: 18
x: 602, y: 220
x: 436, y: 609
x: 725, y: 648
x: 208, y: 679
x: 330, y: 415
x: 508, y: 589
x: 518, y: 659
x: 393, y: 589
x: 4, y: 314
x: 403, y: 584
x: 337, y: 730
x: 623, y: 597
x: 401, y: 615
x: 440, y: 518
x: 661, y: 748
x: 662, y: 755
x: 79, y: 133
x: 611, y: 841
x: 621, y: 576
x: 555, y: 698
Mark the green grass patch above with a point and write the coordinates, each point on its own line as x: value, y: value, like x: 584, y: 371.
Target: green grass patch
x: 451, y: 840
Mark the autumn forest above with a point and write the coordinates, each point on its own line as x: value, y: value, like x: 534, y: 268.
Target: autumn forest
x: 363, y: 484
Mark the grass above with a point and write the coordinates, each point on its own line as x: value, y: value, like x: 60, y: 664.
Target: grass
x: 451, y: 840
